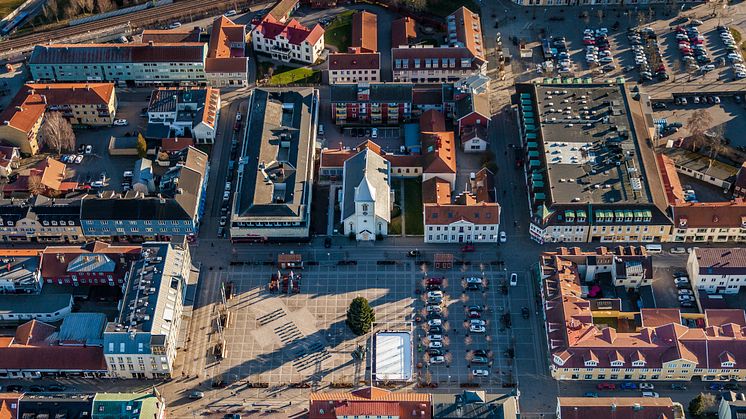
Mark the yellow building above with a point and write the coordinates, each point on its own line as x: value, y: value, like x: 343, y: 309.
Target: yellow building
x: 80, y: 103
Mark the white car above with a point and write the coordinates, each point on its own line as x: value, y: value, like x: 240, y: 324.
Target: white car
x: 238, y: 116
x: 437, y: 359
x: 78, y: 159
x: 679, y: 250
x: 435, y: 338
x: 88, y: 149
x: 174, y: 25
x: 226, y: 195
x: 435, y: 322
x: 503, y: 237
x: 682, y: 280
x: 434, y: 309
x: 435, y: 294
x: 120, y: 122
x: 480, y: 373
x: 227, y: 186
x: 741, y: 74
x: 646, y: 386
x: 649, y: 394
x: 223, y: 219
x: 230, y: 13
x: 435, y: 345
x: 477, y: 322
x: 513, y: 279
x: 477, y: 329
x: 97, y: 184
x: 473, y: 280
x: 685, y: 291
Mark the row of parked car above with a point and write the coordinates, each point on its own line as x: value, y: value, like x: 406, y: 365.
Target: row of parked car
x: 693, y: 50
x: 684, y: 289
x: 597, y: 48
x: 734, y: 56
x: 647, y: 54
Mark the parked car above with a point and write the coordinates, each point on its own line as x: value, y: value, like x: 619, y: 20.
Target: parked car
x: 513, y: 279
x: 413, y: 253
x: 627, y: 385
x: 434, y: 309
x: 477, y: 328
x: 678, y: 250
x: 480, y: 360
x: 435, y: 345
x: 682, y: 280
x: 196, y: 395
x: 480, y: 373
x: 439, y: 359
x: 435, y: 338
x: 467, y: 248
x: 174, y: 25
x: 120, y: 122
x: 650, y: 394
x: 646, y: 386
x: 503, y: 237
x: 475, y: 307
x: 230, y: 13
x: 678, y: 386
x: 477, y: 322
x: 435, y: 352
x: 606, y: 386
x: 473, y: 280
x: 435, y: 322
x: 435, y: 294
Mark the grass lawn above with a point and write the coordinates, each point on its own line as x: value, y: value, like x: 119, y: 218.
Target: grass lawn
x: 339, y: 32
x: 396, y: 215
x: 413, y: 206
x: 7, y: 6
x: 296, y: 75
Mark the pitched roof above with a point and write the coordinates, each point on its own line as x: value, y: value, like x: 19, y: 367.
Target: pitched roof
x: 71, y: 93
x: 370, y: 401
x: 352, y: 61
x: 440, y: 152
x: 402, y: 30
x: 477, y: 213
x: 740, y: 181
x: 335, y: 158
x: 365, y: 31
x: 282, y: 9
x: 620, y: 407
x: 224, y: 34
x: 24, y: 111
x: 293, y: 31
x: 170, y: 35
x: 465, y: 29
x: 118, y: 53
x: 432, y: 121
x: 474, y: 131
x: 721, y: 261
x: 32, y: 333
x: 56, y: 260
x: 470, y: 103
x: 730, y: 214
x: 176, y: 144
x: 371, y: 93
x: 53, y: 173
x: 367, y: 177
x: 443, y: 58
x: 436, y: 191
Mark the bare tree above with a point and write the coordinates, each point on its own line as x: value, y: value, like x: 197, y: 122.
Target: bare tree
x: 428, y: 377
x: 56, y: 133
x: 104, y: 6
x: 416, y: 5
x: 697, y: 124
x: 34, y: 184
x: 716, y: 141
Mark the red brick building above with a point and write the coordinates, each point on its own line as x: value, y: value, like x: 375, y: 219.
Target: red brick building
x: 95, y: 263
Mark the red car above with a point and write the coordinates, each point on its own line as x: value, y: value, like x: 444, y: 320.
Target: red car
x: 434, y: 281
x: 474, y: 315
x: 467, y: 248
x: 606, y: 386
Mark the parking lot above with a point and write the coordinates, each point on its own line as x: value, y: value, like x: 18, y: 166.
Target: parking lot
x: 729, y: 113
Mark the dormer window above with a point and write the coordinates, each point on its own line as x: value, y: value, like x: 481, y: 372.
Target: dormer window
x: 46, y: 223
x: 558, y: 360
x: 617, y: 363
x: 639, y: 363
x: 728, y: 364
x: 591, y: 363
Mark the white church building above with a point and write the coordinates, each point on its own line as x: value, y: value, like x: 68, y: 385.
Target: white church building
x: 366, y: 195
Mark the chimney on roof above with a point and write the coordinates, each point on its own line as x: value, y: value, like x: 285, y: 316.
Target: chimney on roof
x: 150, y: 43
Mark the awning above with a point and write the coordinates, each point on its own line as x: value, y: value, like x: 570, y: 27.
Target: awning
x: 619, y: 214
x: 533, y: 153
x: 628, y: 214
x: 600, y: 215
x: 537, y: 176
x: 647, y: 214
x: 534, y: 163
x: 531, y: 136
x: 569, y: 214
x: 539, y: 196
x: 581, y: 213
x: 537, y: 183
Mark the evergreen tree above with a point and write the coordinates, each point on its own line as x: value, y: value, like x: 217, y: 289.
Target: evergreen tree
x: 360, y: 316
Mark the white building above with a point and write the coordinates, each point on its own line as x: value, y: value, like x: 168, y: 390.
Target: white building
x: 180, y: 112
x: 142, y: 342
x: 354, y: 68
x: 289, y: 41
x: 717, y: 270
x: 472, y: 217
x: 366, y: 195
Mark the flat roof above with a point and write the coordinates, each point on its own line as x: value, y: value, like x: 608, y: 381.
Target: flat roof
x: 393, y: 356
x: 591, y: 149
x: 276, y: 158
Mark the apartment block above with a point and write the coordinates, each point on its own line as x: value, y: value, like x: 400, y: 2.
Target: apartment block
x: 378, y: 104
x: 655, y: 344
x: 717, y: 270
x: 287, y: 41
x: 184, y: 112
x: 139, y: 63
x: 141, y: 342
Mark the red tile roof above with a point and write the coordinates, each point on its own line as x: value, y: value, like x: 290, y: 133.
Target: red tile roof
x: 402, y: 31
x: 335, y: 158
x: 730, y: 214
x: 365, y: 31
x: 293, y: 31
x: 71, y: 93
x: 33, y: 333
x: 9, y: 405
x: 171, y: 145
x: 740, y: 183
x: 439, y: 150
x: 721, y: 261
x: 441, y: 56
x: 477, y: 213
x: 574, y: 338
x: 52, y: 173
x: 370, y: 401
x: 359, y: 61
x: 436, y: 191
x: 432, y: 121
x: 427, y: 95
x: 55, y: 259
x: 616, y: 407
x: 24, y: 112
x: 29, y: 351
x: 467, y: 31
x: 170, y: 35
x: 474, y: 131
x: 224, y: 34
